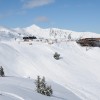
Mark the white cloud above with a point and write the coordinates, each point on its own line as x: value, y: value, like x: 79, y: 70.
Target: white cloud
x: 36, y: 3
x: 42, y: 19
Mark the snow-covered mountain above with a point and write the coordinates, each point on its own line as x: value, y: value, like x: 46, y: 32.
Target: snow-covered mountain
x: 76, y: 76
x: 43, y: 33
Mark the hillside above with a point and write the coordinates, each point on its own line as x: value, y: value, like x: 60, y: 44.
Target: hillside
x: 74, y: 77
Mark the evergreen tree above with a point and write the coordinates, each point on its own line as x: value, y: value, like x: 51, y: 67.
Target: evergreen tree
x: 49, y: 91
x: 1, y: 71
x: 57, y: 56
x: 42, y: 88
x: 43, y: 83
x: 37, y: 82
x: 69, y: 37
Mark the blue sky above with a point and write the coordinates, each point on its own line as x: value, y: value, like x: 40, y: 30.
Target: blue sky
x: 76, y: 15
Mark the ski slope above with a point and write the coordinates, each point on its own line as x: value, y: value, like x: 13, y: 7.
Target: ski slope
x: 76, y: 76
x: 16, y: 88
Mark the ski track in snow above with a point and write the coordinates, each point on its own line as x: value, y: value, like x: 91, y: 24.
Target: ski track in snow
x: 12, y: 95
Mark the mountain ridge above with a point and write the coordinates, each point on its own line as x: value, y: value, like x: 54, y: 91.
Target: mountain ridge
x: 46, y: 33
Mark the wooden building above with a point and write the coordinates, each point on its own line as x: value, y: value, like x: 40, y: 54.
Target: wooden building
x: 92, y: 42
x: 28, y: 38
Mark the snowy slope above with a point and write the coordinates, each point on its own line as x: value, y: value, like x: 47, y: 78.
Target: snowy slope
x: 15, y: 88
x: 77, y: 73
x: 7, y: 33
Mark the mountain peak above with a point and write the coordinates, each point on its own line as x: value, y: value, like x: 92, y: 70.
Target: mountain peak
x: 33, y: 27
